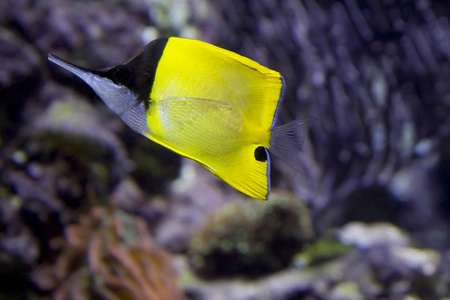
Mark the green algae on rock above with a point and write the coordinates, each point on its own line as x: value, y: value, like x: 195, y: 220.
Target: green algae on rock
x: 251, y: 239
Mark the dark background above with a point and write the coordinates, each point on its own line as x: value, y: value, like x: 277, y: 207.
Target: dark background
x: 368, y: 218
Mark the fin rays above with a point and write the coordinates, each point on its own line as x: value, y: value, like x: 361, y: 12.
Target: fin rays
x: 287, y: 141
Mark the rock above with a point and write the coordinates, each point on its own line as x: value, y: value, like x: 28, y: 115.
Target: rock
x: 364, y: 236
x: 250, y: 239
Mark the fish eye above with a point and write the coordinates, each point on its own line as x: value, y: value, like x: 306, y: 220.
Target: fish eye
x: 261, y: 154
x: 120, y: 75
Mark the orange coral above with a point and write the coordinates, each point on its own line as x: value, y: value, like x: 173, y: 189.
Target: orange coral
x: 110, y: 255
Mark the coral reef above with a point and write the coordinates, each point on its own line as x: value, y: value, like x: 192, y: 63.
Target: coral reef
x: 374, y: 74
x: 359, y: 262
x: 109, y: 255
x: 250, y: 239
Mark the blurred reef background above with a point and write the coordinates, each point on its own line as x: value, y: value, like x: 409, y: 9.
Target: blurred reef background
x: 91, y: 210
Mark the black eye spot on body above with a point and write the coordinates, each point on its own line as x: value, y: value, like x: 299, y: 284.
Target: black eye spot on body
x: 120, y: 75
x: 261, y: 154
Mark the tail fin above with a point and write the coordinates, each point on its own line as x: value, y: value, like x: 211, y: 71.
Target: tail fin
x: 287, y: 140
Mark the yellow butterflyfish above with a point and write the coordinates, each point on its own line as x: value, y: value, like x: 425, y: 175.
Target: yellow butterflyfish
x: 204, y: 103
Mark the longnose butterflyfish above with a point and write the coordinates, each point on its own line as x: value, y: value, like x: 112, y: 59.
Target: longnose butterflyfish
x: 205, y: 103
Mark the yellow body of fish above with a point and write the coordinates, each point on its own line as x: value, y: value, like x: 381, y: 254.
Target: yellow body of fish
x: 216, y: 109
x: 203, y: 102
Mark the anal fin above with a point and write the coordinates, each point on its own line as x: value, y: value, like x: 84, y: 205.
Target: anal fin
x: 247, y: 170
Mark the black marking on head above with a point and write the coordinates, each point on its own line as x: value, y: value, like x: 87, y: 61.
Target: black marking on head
x: 120, y: 74
x: 138, y: 74
x: 261, y: 154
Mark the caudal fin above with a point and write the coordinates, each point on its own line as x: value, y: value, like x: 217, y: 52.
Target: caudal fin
x: 287, y: 141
